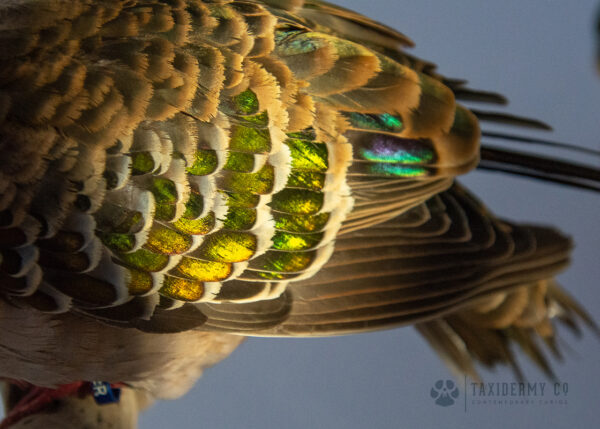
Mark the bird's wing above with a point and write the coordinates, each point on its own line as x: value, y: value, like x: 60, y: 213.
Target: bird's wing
x: 162, y: 150
x: 410, y: 269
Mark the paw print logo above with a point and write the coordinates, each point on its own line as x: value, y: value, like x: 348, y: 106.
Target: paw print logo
x: 444, y: 393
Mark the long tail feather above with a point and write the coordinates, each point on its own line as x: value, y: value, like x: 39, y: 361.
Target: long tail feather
x: 544, y: 168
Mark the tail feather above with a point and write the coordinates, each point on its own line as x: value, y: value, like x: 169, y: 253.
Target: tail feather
x: 544, y: 168
x: 469, y: 337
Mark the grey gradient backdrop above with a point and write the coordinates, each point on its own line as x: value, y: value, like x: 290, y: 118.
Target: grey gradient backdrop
x: 540, y: 54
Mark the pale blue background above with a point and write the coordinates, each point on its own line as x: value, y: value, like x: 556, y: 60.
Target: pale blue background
x: 540, y: 54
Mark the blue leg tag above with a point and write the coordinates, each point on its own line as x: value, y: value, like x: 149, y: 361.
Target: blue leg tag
x: 104, y: 394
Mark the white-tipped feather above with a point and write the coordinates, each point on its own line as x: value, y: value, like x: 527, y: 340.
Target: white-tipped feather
x: 282, y: 162
x: 29, y: 256
x: 120, y: 166
x: 94, y: 251
x: 31, y: 228
x: 211, y: 290
x: 33, y: 278
x: 62, y: 301
x: 114, y: 274
x: 264, y: 237
x: 82, y: 223
x: 206, y: 186
x: 177, y: 174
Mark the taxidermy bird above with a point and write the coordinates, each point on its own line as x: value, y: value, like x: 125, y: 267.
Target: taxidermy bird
x: 178, y: 174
